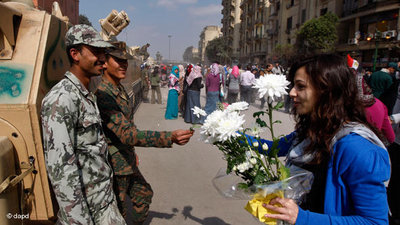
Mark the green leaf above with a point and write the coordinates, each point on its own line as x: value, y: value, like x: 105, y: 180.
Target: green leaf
x: 279, y: 105
x: 284, y: 172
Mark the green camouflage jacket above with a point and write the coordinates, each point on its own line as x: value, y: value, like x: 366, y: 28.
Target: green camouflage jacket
x: 117, y: 115
x: 76, y: 152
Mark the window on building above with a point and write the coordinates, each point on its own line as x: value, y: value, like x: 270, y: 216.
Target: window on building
x: 288, y: 40
x: 323, y: 11
x: 289, y: 23
x: 291, y: 2
x: 303, y: 16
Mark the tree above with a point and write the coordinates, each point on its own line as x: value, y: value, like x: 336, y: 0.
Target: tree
x: 318, y: 35
x: 284, y: 52
x: 84, y: 20
x: 217, y: 50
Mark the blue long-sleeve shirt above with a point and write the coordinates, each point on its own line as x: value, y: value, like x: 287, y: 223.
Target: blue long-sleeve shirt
x: 355, y: 192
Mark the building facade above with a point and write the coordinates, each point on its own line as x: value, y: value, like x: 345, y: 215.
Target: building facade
x: 231, y: 26
x: 209, y: 33
x: 367, y: 28
x: 69, y: 8
x: 191, y: 55
x: 369, y: 31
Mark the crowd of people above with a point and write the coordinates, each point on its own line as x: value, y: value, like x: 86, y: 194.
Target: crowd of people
x: 343, y: 134
x: 221, y: 84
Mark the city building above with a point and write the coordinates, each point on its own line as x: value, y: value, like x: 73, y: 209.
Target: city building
x: 191, y: 55
x: 367, y: 28
x: 253, y: 38
x: 369, y: 31
x: 231, y: 26
x: 209, y: 33
x: 69, y: 8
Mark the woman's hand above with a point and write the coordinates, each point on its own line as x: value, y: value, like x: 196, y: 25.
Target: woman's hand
x: 288, y: 210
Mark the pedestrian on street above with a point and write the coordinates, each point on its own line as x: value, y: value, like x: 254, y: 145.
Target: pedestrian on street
x: 75, y: 147
x: 233, y: 85
x: 171, y: 112
x: 375, y: 111
x: 213, y: 81
x: 194, y: 85
x: 145, y: 82
x: 334, y: 141
x: 181, y: 96
x: 278, y: 69
x: 385, y: 85
x: 247, y: 80
x: 117, y: 113
x: 155, y: 86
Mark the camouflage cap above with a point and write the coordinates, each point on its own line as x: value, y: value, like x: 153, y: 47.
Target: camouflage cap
x: 119, y: 50
x: 85, y: 34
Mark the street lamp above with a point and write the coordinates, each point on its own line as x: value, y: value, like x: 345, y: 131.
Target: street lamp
x: 169, y: 47
x: 376, y: 37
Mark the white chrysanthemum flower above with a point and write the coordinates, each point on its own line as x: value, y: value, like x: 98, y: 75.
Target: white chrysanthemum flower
x: 272, y: 85
x: 256, y: 130
x: 244, y: 166
x: 229, y: 125
x: 209, y: 129
x: 234, y: 168
x: 237, y: 106
x: 198, y: 112
x: 255, y: 144
x: 250, y: 154
x: 253, y: 161
x: 265, y: 147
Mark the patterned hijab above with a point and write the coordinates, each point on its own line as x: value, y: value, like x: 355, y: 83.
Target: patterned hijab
x: 196, y: 73
x: 181, y: 71
x: 235, y: 71
x: 214, y: 69
x: 173, y: 71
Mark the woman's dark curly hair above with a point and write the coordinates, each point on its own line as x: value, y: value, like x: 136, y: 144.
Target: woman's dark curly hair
x: 337, y: 102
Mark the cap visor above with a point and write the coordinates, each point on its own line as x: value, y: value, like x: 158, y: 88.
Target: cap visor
x: 101, y: 44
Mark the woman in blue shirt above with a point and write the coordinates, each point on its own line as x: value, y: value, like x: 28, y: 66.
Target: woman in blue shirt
x: 333, y: 140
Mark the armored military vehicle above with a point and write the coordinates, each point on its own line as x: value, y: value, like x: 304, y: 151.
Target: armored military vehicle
x: 32, y: 61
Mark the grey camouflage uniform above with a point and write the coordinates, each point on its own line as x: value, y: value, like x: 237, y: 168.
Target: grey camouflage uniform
x: 76, y: 155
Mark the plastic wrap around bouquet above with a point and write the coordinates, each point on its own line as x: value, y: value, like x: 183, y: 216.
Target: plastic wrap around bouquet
x: 294, y: 187
x: 253, y: 170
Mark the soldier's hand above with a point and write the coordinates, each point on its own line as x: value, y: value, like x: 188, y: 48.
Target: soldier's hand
x: 181, y: 137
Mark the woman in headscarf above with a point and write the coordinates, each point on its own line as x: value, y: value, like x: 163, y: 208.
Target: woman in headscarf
x: 185, y: 88
x: 233, y: 85
x: 172, y: 102
x: 181, y: 94
x: 213, y: 82
x: 193, y: 94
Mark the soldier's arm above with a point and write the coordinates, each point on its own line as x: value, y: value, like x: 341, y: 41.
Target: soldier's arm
x: 126, y: 130
x: 57, y: 123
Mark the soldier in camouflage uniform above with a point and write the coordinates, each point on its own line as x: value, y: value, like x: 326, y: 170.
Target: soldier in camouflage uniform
x: 145, y: 83
x: 74, y: 144
x: 117, y: 115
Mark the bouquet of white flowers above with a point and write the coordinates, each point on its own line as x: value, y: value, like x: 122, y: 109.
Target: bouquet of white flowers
x: 262, y: 174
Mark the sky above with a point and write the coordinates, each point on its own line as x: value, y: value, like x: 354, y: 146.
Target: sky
x: 151, y: 21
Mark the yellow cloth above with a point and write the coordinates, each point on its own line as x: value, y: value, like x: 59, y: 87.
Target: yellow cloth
x: 255, y: 207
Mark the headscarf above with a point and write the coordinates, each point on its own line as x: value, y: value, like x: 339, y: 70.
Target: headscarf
x: 364, y: 91
x: 189, y: 69
x: 181, y: 71
x: 173, y: 71
x: 196, y: 73
x: 235, y: 71
x: 214, y: 69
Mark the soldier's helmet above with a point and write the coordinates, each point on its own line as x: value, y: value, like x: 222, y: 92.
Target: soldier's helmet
x: 85, y: 34
x: 119, y: 50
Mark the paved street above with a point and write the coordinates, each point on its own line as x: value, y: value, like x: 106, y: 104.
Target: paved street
x: 181, y: 177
